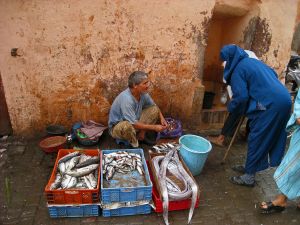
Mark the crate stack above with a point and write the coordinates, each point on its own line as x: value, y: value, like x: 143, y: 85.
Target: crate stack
x: 119, y: 198
x: 73, y: 202
x: 124, y: 195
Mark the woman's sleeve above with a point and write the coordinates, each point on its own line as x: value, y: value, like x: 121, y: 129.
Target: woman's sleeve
x: 297, y: 106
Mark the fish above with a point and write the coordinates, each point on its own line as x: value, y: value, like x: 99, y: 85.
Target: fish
x: 87, y: 182
x: 110, y: 172
x: 72, y: 183
x: 56, y: 182
x: 96, y: 174
x: 65, y: 181
x: 140, y: 170
x: 72, y: 163
x: 82, y: 171
x: 62, y: 167
x: 92, y: 180
x: 84, y: 157
x: 69, y: 156
x: 169, y: 189
x: 89, y: 161
x: 81, y: 184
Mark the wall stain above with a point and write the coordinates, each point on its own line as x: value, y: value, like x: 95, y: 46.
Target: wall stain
x: 258, y: 36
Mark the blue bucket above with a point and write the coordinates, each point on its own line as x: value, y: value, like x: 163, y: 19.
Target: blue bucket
x: 194, y: 151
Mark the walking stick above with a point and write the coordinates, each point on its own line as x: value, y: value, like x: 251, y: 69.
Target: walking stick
x: 233, y: 138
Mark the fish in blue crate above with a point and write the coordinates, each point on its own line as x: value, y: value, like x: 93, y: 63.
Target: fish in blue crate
x: 76, y: 170
x: 121, y: 162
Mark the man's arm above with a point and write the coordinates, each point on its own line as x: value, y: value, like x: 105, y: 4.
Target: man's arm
x: 154, y: 127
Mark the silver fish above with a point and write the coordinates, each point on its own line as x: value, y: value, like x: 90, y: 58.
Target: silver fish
x: 62, y: 167
x: 69, y: 156
x: 140, y: 169
x: 65, y: 181
x: 84, y: 157
x: 92, y: 180
x: 56, y: 182
x: 72, y: 182
x: 82, y: 171
x: 89, y: 161
x: 81, y: 184
x: 87, y: 182
x: 169, y: 189
x: 72, y: 162
x: 110, y: 172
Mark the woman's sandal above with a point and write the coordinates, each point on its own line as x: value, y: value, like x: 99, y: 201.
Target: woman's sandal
x: 270, y: 208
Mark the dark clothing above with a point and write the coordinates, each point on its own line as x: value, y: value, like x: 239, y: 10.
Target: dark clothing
x: 259, y: 95
x: 231, y: 124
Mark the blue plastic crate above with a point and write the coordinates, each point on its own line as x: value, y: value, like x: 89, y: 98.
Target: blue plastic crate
x: 127, y: 211
x: 56, y: 211
x: 115, y: 193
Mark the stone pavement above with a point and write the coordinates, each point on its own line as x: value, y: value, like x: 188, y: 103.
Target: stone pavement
x: 25, y: 170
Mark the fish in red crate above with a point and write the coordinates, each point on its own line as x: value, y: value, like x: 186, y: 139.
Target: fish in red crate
x: 76, y: 170
x: 170, y: 190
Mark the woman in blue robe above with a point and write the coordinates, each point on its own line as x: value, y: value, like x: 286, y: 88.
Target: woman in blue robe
x: 287, y: 175
x: 259, y: 95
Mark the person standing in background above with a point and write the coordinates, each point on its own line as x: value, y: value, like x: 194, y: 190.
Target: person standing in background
x: 258, y: 94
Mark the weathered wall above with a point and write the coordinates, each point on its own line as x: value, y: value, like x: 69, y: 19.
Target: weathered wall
x: 274, y: 32
x: 77, y: 56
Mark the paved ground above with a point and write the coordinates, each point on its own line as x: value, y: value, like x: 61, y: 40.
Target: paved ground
x: 25, y: 170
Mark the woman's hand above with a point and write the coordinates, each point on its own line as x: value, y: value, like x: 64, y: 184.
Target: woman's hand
x: 298, y: 121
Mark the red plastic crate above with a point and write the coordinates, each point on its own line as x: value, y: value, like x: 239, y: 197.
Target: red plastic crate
x: 73, y: 196
x: 173, y: 205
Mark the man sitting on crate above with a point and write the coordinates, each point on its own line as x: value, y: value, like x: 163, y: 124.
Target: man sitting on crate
x: 134, y: 114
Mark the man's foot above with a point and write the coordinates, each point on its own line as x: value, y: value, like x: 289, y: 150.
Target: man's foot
x: 269, y: 208
x: 240, y: 180
x: 216, y: 140
x: 150, y: 138
x: 238, y: 168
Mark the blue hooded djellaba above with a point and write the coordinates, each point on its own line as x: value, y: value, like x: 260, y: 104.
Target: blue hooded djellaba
x: 259, y: 95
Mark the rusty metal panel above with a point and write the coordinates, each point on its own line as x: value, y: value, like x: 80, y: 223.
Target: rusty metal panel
x: 5, y: 125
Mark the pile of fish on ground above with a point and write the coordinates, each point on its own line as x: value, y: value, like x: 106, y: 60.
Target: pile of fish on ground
x: 122, y: 162
x: 170, y: 190
x: 164, y: 147
x: 77, y: 171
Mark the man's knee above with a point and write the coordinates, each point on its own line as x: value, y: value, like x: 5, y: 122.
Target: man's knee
x: 151, y: 113
x: 122, y: 128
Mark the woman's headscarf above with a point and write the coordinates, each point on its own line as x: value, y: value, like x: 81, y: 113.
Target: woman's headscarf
x: 232, y: 54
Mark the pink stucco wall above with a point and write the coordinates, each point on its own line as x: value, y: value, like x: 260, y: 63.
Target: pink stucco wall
x: 75, y: 56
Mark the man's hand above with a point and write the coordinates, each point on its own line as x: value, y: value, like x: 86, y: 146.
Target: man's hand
x: 298, y: 121
x: 163, y: 121
x: 159, y: 128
